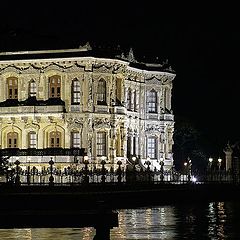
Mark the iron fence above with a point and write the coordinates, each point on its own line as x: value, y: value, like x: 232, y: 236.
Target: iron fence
x: 103, y: 175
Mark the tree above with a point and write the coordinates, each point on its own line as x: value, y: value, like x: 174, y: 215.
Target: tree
x: 3, y: 164
x: 188, y: 143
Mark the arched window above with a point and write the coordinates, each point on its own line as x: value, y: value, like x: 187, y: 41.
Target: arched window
x: 75, y: 140
x: 12, y: 84
x: 101, y: 92
x: 55, y: 87
x: 12, y: 140
x: 32, y: 88
x: 152, y: 147
x: 152, y: 101
x: 55, y: 139
x: 101, y: 144
x: 75, y: 91
x: 32, y: 140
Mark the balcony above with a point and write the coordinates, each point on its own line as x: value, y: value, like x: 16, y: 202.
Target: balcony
x: 166, y: 117
x: 102, y: 108
x: 32, y: 105
x: 31, y: 109
x: 119, y: 110
x: 42, y: 152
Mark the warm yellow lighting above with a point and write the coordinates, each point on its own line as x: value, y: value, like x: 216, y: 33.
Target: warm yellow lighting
x: 210, y: 159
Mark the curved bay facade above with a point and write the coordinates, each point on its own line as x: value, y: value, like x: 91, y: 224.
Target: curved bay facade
x: 112, y: 108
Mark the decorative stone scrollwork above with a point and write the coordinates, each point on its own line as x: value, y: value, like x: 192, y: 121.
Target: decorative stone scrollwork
x: 101, y: 123
x: 10, y: 68
x: 32, y: 126
x: 74, y: 122
x: 152, y: 128
x: 31, y: 70
x: 102, y: 69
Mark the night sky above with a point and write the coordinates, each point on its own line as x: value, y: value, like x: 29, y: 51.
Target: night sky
x: 201, y: 44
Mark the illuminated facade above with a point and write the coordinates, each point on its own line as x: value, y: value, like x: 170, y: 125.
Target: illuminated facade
x: 113, y: 108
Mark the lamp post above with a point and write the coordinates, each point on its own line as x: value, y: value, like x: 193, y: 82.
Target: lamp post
x: 219, y: 167
x: 17, y: 180
x: 161, y: 169
x: 9, y: 174
x: 134, y: 168
x: 148, y: 163
x: 189, y: 169
x: 51, y: 178
x: 103, y: 170
x: 85, y: 162
x: 119, y: 171
x: 185, y: 171
x: 134, y: 163
x: 210, y: 160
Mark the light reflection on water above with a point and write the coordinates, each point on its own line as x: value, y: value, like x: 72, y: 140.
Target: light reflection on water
x: 214, y: 220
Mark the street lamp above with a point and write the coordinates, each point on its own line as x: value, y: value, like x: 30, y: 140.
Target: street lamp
x: 119, y: 171
x: 161, y: 168
x: 210, y: 160
x: 148, y: 163
x: 51, y: 178
x: 103, y: 169
x: 219, y: 163
x: 219, y: 167
x: 17, y: 163
x: 134, y: 163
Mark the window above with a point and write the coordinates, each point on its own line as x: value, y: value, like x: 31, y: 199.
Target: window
x: 75, y: 91
x: 101, y: 92
x: 152, y: 101
x: 55, y: 87
x: 12, y: 140
x: 32, y: 140
x: 129, y: 146
x: 55, y: 139
x: 118, y: 90
x: 75, y: 140
x: 12, y: 84
x: 129, y: 99
x: 135, y: 101
x: 152, y: 147
x: 32, y: 88
x: 101, y: 144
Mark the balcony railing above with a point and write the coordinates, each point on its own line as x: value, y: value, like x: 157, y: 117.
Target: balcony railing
x: 32, y: 105
x: 166, y: 117
x: 32, y: 109
x: 42, y: 152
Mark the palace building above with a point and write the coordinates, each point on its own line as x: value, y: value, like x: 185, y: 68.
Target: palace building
x: 63, y: 104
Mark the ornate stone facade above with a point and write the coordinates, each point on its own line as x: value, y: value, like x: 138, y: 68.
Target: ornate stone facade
x: 113, y: 108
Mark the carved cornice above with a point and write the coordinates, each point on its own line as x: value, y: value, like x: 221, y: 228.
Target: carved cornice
x: 164, y: 78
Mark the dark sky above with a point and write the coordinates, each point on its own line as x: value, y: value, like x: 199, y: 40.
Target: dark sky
x: 200, y: 42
